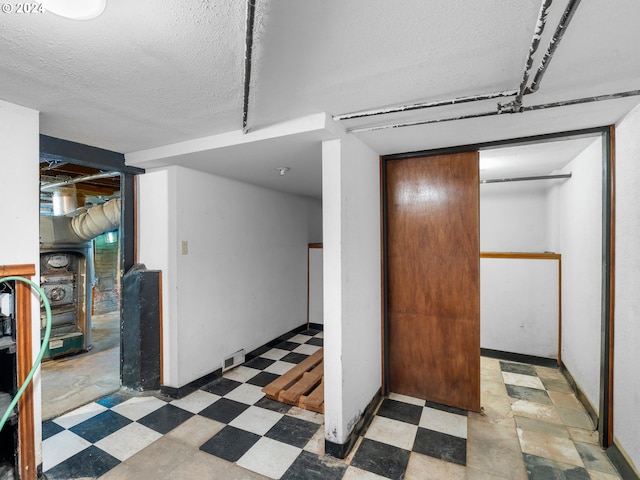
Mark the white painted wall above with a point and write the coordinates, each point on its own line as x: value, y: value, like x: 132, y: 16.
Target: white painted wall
x: 20, y: 187
x: 576, y: 210
x: 335, y: 429
x: 513, y: 216
x: 156, y: 196
x: 626, y: 391
x: 352, y: 309
x: 519, y: 306
x: 243, y: 281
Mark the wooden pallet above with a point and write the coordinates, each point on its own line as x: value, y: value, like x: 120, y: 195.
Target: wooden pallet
x: 302, y: 386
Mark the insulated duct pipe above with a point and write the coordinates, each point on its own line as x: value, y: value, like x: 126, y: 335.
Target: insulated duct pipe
x: 97, y: 220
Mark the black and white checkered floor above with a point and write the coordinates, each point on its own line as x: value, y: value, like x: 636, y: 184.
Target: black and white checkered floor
x: 258, y: 434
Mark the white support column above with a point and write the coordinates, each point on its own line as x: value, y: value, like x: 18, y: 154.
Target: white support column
x: 20, y: 185
x: 352, y: 305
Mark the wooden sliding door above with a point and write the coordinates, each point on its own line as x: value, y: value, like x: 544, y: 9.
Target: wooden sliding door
x: 433, y: 283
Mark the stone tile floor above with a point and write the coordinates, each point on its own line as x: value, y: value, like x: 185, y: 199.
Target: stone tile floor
x: 532, y: 427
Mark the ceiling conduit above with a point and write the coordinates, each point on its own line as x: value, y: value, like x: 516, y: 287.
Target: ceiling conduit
x: 540, y: 24
x: 572, y: 6
x: 513, y: 107
x: 423, y: 105
x: 248, y: 51
x: 535, y: 41
x: 531, y: 108
x: 421, y: 122
x: 578, y: 101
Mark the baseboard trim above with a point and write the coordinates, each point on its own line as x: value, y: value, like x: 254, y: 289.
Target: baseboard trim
x: 341, y: 450
x: 581, y: 396
x: 269, y: 345
x: 621, y: 462
x: 180, y: 392
x: 519, y: 357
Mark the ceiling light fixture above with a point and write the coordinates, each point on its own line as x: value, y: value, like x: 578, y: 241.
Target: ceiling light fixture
x: 282, y: 170
x: 75, y: 9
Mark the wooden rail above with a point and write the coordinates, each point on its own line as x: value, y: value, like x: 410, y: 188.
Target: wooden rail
x: 522, y: 255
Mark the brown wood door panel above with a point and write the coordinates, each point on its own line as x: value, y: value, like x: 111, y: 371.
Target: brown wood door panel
x: 433, y: 293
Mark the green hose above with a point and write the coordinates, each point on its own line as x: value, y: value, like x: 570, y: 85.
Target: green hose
x: 43, y: 348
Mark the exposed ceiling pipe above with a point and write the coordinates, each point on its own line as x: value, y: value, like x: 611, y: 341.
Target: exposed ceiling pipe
x: 540, y: 25
x: 567, y: 15
x: 577, y: 101
x: 535, y: 41
x: 248, y: 51
x: 422, y: 105
x: 420, y: 122
x: 52, y: 165
x: 523, y: 179
x: 516, y: 105
x: 511, y: 107
x: 51, y: 186
x: 569, y: 11
x: 598, y: 98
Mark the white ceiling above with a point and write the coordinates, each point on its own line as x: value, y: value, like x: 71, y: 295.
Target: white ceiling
x: 531, y: 160
x: 151, y: 73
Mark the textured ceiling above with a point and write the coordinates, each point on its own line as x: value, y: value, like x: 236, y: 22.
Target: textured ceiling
x: 531, y: 160
x: 143, y: 74
x: 343, y: 56
x: 151, y: 73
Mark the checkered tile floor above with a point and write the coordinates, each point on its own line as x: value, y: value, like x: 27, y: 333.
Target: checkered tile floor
x: 258, y: 434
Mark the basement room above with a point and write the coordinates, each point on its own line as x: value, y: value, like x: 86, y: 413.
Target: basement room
x: 333, y: 240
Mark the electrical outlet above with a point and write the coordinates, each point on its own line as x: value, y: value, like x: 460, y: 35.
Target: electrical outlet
x: 185, y: 247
